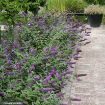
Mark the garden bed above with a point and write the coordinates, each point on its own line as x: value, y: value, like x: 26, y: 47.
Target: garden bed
x: 34, y: 67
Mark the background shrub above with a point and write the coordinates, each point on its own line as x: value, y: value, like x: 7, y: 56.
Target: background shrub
x: 101, y: 2
x: 66, y: 5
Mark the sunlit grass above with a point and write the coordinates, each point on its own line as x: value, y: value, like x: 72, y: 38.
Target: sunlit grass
x: 56, y: 5
x: 64, y: 5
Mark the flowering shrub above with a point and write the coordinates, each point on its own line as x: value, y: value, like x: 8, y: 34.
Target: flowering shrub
x: 34, y: 70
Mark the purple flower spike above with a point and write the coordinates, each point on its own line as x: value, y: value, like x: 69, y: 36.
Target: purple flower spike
x: 59, y: 95
x: 32, y: 51
x: 69, y: 72
x: 21, y: 49
x: 32, y: 67
x: 9, y: 62
x: 53, y: 71
x: 47, y: 79
x: 79, y: 50
x: 15, y: 45
x: 47, y: 89
x: 17, y: 66
x: 1, y: 94
x: 58, y: 76
x: 37, y: 77
x: 54, y: 50
x: 63, y: 84
x: 6, y: 51
x: 45, y: 82
x: 71, y: 63
x: 72, y: 66
x: 76, y: 57
x: 64, y: 73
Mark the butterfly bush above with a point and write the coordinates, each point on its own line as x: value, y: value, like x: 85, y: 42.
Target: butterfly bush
x: 34, y: 70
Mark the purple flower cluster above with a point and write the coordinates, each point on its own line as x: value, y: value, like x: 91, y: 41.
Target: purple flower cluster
x: 1, y: 94
x: 47, y: 79
x: 32, y: 51
x: 18, y: 66
x: 46, y: 89
x: 37, y: 78
x: 51, y: 52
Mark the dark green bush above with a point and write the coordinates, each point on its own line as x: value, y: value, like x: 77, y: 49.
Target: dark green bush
x: 101, y: 2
